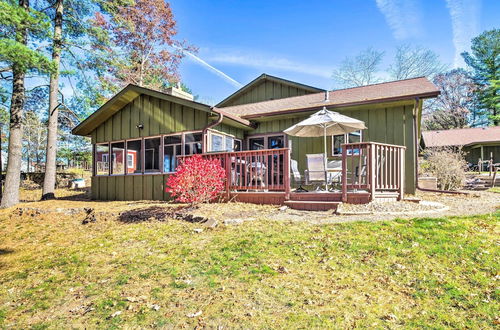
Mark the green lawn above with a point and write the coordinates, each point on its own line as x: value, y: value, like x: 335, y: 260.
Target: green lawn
x: 55, y: 273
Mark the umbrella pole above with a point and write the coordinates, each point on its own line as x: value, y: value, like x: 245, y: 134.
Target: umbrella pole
x: 325, y: 158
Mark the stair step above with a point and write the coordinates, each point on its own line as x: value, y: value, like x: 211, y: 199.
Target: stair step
x: 312, y: 205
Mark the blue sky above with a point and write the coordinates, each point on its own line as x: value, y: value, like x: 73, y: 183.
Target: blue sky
x: 305, y: 40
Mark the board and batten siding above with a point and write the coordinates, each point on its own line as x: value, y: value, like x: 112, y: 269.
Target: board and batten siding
x: 158, y: 117
x: 267, y: 90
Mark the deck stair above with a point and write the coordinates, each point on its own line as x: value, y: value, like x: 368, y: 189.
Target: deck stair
x: 312, y: 205
x: 314, y: 201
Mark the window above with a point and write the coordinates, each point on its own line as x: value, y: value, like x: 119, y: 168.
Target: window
x: 172, y: 148
x: 338, y: 140
x: 276, y: 142
x: 222, y: 142
x: 192, y: 143
x: 130, y: 160
x: 152, y: 155
x: 102, y: 159
x: 217, y: 141
x: 256, y: 143
x: 118, y: 158
x: 237, y: 145
x: 266, y: 142
x: 135, y: 148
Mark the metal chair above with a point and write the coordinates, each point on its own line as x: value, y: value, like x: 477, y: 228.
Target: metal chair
x: 297, y: 177
x: 316, y: 171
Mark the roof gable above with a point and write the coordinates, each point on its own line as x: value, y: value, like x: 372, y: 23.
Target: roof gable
x: 128, y: 94
x: 267, y: 87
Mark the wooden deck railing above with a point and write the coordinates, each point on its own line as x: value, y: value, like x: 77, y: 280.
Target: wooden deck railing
x: 375, y: 167
x: 366, y: 166
x: 261, y: 170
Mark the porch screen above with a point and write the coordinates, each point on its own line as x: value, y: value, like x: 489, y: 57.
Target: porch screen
x: 102, y: 159
x: 192, y: 143
x: 152, y: 155
x: 172, y: 149
x: 134, y: 153
x: 118, y: 158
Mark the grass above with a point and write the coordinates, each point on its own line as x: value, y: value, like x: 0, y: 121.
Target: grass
x: 436, y: 273
x: 495, y: 190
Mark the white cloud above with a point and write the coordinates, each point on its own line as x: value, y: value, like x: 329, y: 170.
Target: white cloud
x: 262, y: 61
x: 465, y: 23
x: 402, y: 16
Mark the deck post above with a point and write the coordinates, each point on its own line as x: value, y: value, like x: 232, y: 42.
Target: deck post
x: 401, y: 179
x: 227, y: 164
x: 372, y: 165
x: 286, y: 175
x: 344, y: 174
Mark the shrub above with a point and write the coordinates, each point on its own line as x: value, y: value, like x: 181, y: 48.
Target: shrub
x: 448, y: 166
x: 197, y: 180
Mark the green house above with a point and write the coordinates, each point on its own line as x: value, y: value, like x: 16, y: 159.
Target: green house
x: 139, y: 135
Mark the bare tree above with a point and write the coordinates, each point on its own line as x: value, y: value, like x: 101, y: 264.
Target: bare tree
x: 453, y: 108
x: 415, y: 61
x: 359, y: 70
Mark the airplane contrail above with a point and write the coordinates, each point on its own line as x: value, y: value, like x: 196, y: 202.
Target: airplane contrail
x: 211, y: 67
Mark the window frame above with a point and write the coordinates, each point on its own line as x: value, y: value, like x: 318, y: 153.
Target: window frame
x: 107, y: 156
x: 125, y: 152
x: 212, y: 132
x: 346, y: 138
x: 142, y: 158
x: 266, y: 136
x: 173, y: 144
x: 160, y: 154
x: 138, y: 160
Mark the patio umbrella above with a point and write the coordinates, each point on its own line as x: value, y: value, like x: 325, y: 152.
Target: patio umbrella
x: 325, y: 123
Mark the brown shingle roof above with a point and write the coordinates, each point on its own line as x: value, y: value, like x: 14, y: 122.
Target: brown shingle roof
x: 461, y: 136
x: 389, y: 91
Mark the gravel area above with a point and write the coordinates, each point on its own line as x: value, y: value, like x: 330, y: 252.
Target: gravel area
x: 449, y: 205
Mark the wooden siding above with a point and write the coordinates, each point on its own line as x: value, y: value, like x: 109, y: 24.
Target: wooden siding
x: 130, y: 187
x: 237, y: 132
x: 157, y: 116
x: 267, y: 90
x: 391, y: 124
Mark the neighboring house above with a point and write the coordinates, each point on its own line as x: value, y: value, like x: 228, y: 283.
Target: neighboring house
x: 477, y: 143
x: 168, y: 125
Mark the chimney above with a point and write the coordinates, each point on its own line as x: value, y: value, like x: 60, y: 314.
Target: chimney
x: 178, y: 92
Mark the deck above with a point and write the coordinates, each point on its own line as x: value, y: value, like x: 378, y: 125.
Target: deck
x: 369, y: 171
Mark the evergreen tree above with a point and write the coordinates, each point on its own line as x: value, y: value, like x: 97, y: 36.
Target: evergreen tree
x: 484, y: 60
x: 18, y: 24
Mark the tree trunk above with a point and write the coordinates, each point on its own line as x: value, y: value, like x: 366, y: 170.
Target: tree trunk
x: 49, y: 181
x: 10, y: 195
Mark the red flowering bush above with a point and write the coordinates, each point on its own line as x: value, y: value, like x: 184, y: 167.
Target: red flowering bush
x: 197, y: 180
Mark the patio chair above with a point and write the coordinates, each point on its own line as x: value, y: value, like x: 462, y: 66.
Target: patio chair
x: 257, y: 173
x: 297, y: 177
x: 335, y: 168
x: 316, y: 172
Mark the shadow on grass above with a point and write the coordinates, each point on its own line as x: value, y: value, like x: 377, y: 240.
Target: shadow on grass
x: 159, y: 213
x: 148, y: 213
x: 6, y: 251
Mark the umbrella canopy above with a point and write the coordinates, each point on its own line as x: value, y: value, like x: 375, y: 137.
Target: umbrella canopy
x: 325, y: 122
